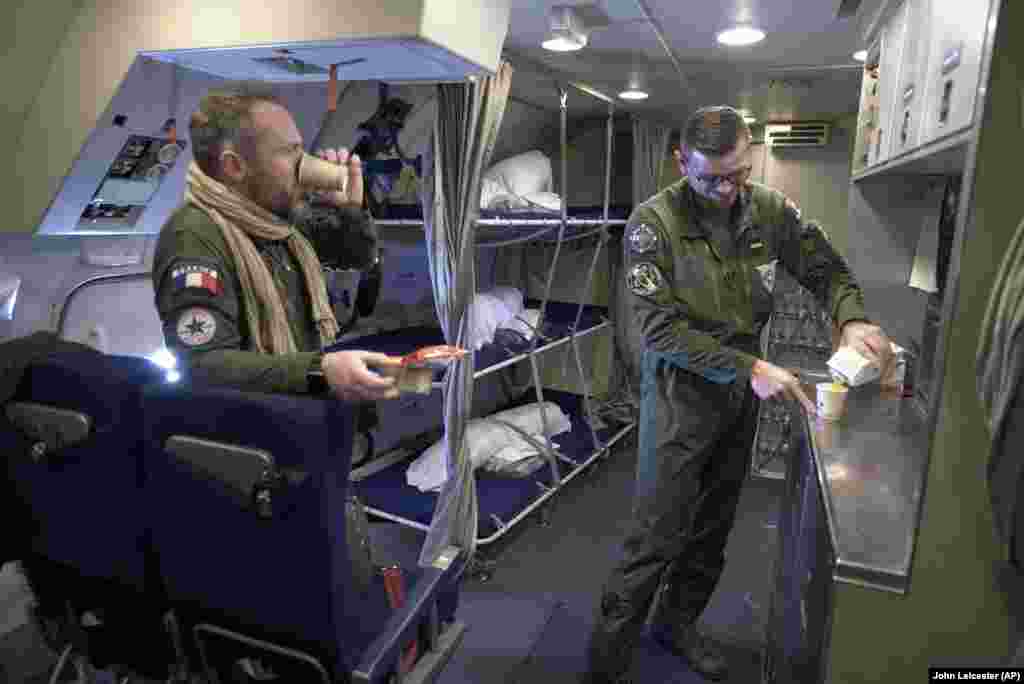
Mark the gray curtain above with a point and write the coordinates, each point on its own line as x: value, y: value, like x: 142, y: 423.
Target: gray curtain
x: 465, y: 130
x: 650, y: 145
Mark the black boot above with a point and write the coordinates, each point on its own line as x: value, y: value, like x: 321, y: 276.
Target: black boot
x: 701, y: 652
x: 610, y: 650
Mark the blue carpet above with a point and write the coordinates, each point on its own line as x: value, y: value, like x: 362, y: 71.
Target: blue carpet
x: 559, y: 655
x: 503, y: 631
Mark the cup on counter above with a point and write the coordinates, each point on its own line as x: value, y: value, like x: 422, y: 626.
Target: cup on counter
x: 825, y: 433
x: 317, y: 174
x: 831, y: 400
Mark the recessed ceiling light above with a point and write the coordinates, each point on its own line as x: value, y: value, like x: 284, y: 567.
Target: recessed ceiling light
x: 861, y: 55
x: 634, y: 95
x: 568, y: 31
x: 565, y: 43
x: 741, y: 35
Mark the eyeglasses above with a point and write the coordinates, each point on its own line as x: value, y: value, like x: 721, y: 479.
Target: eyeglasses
x: 736, y: 179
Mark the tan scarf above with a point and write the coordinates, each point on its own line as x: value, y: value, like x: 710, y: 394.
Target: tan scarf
x: 240, y: 220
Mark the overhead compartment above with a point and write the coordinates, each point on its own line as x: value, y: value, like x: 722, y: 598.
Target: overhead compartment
x: 954, y: 66
x: 279, y: 41
x: 429, y: 40
x: 909, y: 96
x: 893, y: 40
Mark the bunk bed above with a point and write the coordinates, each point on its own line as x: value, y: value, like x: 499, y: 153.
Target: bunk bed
x: 505, y: 501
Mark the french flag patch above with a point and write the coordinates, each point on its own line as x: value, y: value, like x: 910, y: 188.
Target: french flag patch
x: 198, y: 277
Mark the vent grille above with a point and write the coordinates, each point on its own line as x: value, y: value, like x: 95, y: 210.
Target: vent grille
x: 807, y: 134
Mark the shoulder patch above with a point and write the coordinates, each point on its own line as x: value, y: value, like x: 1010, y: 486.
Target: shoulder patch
x: 197, y: 276
x: 645, y: 279
x: 196, y: 327
x: 642, y: 238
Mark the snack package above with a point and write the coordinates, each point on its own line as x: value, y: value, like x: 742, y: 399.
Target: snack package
x: 414, y: 372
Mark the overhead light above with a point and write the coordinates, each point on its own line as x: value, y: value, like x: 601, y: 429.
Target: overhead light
x: 741, y: 35
x: 750, y: 119
x: 636, y: 88
x: 861, y: 55
x: 568, y: 32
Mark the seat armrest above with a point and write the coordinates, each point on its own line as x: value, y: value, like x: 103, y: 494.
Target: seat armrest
x: 386, y: 650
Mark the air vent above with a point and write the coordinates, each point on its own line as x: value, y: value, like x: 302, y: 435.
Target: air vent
x: 807, y: 134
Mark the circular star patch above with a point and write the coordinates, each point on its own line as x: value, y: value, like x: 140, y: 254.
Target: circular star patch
x: 196, y: 327
x: 642, y: 238
x: 645, y: 279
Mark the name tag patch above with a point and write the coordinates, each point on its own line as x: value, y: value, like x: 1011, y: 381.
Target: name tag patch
x: 197, y: 276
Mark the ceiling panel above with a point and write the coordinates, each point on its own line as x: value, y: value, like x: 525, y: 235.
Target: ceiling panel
x: 803, y: 67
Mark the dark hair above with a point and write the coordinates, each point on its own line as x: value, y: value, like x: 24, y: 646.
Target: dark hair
x: 715, y: 131
x: 223, y: 117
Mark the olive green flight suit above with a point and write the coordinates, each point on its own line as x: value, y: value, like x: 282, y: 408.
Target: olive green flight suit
x: 695, y: 305
x: 198, y: 295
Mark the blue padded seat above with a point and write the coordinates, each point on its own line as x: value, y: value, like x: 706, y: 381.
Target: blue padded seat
x: 84, y: 498
x: 77, y: 416
x: 274, y: 568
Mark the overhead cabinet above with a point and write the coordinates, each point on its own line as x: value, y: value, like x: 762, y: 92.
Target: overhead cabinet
x: 922, y: 77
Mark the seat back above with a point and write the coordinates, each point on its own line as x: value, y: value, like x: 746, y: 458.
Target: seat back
x: 247, y: 495
x: 80, y: 477
x: 115, y: 314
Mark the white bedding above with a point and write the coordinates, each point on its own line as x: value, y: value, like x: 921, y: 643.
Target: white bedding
x: 520, y: 182
x: 491, y: 310
x: 492, y: 446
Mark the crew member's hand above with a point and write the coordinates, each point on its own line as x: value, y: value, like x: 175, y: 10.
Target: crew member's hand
x: 353, y: 195
x: 349, y: 376
x: 768, y: 380
x: 870, y: 341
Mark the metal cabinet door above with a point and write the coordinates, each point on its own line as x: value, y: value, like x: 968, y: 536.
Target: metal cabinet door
x: 957, y: 37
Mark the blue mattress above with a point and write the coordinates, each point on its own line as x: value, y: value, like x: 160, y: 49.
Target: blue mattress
x: 558, y: 322
x: 504, y: 497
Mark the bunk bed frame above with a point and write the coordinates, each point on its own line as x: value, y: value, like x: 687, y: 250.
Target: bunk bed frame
x: 560, y: 323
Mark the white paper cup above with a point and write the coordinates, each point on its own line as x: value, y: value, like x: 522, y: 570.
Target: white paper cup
x: 831, y: 400
x: 317, y: 174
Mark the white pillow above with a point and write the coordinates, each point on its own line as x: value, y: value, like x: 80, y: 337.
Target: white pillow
x: 523, y: 174
x: 544, y: 200
x: 485, y: 439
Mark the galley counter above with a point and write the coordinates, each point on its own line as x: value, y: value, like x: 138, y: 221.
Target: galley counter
x: 849, y: 514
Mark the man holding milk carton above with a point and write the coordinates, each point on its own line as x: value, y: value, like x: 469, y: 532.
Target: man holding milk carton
x: 696, y: 260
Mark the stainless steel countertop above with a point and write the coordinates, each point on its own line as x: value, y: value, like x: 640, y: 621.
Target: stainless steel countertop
x: 871, y: 466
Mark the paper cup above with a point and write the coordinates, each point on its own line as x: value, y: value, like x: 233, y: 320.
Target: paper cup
x: 317, y: 174
x: 831, y: 400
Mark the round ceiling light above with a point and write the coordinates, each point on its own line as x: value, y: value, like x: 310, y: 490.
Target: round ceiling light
x: 634, y: 95
x: 741, y: 35
x: 565, y: 42
x: 861, y: 55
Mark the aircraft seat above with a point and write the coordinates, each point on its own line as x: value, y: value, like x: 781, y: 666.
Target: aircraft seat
x: 76, y: 417
x: 248, y: 494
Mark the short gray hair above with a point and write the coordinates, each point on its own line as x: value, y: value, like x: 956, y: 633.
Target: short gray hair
x: 221, y: 120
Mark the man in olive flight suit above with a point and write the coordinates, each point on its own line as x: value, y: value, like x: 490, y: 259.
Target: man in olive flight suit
x: 249, y: 144
x: 693, y: 260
